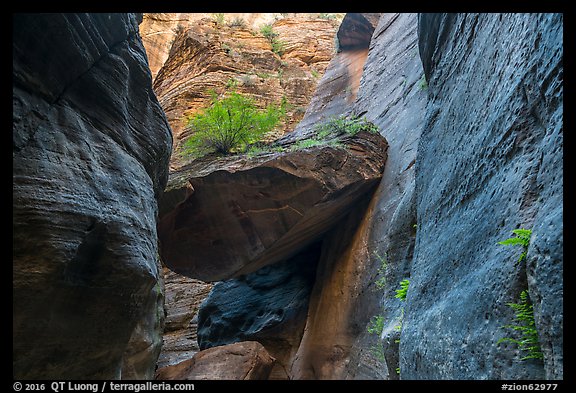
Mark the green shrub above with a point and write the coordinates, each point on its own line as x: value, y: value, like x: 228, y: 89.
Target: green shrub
x: 237, y: 22
x: 278, y: 46
x: 218, y: 18
x: 230, y: 124
x: 376, y: 325
x: 306, y: 143
x: 267, y: 31
x: 327, y: 16
x: 525, y: 324
x: 522, y: 239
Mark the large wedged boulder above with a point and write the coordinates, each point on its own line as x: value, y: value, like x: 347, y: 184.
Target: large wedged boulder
x: 90, y: 156
x: 241, y: 214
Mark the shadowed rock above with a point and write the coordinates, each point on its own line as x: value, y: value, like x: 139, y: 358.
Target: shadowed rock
x: 268, y: 306
x: 90, y: 156
x: 241, y: 214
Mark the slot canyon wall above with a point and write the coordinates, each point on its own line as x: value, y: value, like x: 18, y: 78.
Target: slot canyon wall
x: 449, y: 156
x: 90, y: 148
x: 286, y: 264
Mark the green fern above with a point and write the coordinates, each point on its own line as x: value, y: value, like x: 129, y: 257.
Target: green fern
x: 522, y: 239
x: 526, y: 325
x: 401, y: 293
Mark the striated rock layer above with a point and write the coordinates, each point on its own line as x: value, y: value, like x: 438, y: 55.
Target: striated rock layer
x: 206, y: 55
x: 183, y: 296
x: 90, y: 158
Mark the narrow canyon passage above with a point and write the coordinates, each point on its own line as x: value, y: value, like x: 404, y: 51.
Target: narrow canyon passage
x: 395, y: 200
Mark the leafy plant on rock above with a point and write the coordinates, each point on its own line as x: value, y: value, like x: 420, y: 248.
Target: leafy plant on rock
x: 525, y: 324
x: 230, y: 124
x: 376, y: 325
x: 521, y: 238
x: 278, y: 46
x: 524, y: 321
x: 403, y: 291
x: 342, y: 125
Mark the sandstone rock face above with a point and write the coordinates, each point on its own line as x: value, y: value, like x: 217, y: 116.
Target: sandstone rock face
x: 489, y: 161
x: 268, y: 306
x: 182, y: 300
x: 90, y: 156
x: 240, y: 214
x: 139, y: 360
x: 207, y: 55
x: 158, y: 31
x: 239, y: 361
x: 337, y: 89
x: 385, y: 232
x: 345, y: 297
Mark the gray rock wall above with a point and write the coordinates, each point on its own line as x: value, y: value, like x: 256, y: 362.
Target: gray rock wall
x: 90, y: 157
x: 392, y: 96
x: 489, y: 161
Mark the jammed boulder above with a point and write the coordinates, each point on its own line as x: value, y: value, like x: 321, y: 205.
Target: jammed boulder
x: 232, y: 216
x: 239, y: 361
x: 90, y: 156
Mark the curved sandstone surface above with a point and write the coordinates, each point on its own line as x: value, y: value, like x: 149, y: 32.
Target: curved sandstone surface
x: 249, y: 213
x: 90, y: 157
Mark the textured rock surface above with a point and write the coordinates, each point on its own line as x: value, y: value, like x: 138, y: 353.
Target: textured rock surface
x: 268, y: 306
x: 337, y: 89
x: 206, y: 55
x: 139, y: 359
x: 241, y: 214
x: 183, y: 298
x: 386, y: 232
x: 393, y: 71
x: 332, y: 318
x: 345, y: 296
x: 239, y: 361
x: 90, y: 156
x: 489, y: 161
x: 158, y: 31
